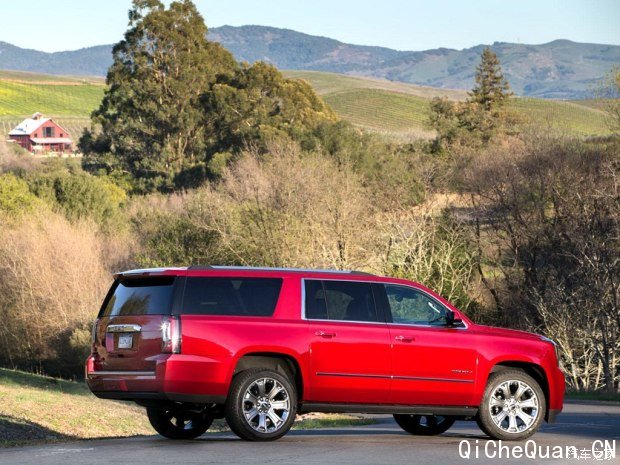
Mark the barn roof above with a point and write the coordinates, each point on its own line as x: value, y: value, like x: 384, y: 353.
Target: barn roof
x: 29, y: 125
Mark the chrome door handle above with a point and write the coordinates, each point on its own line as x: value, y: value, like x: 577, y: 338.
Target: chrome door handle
x: 325, y: 334
x: 405, y: 338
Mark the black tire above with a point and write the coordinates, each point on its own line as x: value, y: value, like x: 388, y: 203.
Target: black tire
x: 179, y: 424
x: 424, y: 425
x: 249, y: 411
x: 518, y: 423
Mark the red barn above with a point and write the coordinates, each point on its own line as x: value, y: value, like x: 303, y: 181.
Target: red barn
x: 41, y: 135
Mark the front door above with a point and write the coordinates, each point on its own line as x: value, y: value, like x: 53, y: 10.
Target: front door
x: 350, y: 343
x: 432, y: 364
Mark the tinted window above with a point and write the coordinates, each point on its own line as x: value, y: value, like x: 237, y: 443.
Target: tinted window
x: 316, y: 308
x: 231, y: 296
x: 340, y: 300
x: 410, y: 306
x: 143, y: 296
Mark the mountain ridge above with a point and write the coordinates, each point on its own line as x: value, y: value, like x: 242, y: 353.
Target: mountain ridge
x: 558, y: 69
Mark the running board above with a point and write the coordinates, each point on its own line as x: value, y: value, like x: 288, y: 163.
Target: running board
x: 444, y: 410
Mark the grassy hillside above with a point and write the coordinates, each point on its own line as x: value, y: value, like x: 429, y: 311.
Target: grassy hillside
x: 382, y: 111
x: 22, y: 98
x: 36, y: 408
x: 569, y: 116
x: 68, y: 99
x: 402, y: 109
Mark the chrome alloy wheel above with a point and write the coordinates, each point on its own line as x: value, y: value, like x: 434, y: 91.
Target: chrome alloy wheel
x: 266, y: 405
x: 514, y: 406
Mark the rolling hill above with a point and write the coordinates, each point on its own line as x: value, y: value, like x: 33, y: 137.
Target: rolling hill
x: 401, y: 109
x: 395, y: 109
x: 558, y: 69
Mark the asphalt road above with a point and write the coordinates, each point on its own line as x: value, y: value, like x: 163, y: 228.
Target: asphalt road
x: 384, y: 443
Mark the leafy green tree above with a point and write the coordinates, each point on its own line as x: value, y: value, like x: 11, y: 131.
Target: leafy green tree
x: 256, y: 105
x: 151, y: 119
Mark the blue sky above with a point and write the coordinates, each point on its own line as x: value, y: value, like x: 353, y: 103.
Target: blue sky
x: 401, y: 24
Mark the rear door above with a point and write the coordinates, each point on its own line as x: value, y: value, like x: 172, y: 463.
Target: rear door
x: 432, y: 364
x: 129, y: 329
x: 349, y: 343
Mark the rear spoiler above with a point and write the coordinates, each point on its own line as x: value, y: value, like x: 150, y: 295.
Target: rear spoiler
x: 144, y: 272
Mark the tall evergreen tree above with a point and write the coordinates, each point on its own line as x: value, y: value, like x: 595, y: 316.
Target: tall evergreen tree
x: 492, y: 89
x: 483, y: 114
x: 476, y: 120
x: 150, y: 122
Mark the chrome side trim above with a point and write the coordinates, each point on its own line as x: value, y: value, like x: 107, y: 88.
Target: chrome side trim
x: 353, y: 375
x: 443, y: 380
x: 124, y: 328
x: 404, y: 378
x: 150, y: 374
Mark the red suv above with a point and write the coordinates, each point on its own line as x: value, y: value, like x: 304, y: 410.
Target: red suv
x: 258, y: 345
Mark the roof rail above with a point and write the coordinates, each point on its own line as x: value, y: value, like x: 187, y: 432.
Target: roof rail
x: 266, y: 268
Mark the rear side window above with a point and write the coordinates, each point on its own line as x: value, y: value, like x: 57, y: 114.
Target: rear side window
x: 340, y: 300
x: 141, y: 296
x: 231, y: 296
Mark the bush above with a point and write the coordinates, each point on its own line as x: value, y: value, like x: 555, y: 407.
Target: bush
x: 53, y: 280
x: 15, y: 196
x: 80, y: 196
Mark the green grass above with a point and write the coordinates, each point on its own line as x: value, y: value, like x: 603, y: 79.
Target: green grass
x: 36, y: 408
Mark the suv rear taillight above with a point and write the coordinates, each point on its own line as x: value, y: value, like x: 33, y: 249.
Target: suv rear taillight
x: 171, y: 335
x: 93, y: 338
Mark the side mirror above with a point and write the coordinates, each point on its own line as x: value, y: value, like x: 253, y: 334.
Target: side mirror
x: 452, y: 321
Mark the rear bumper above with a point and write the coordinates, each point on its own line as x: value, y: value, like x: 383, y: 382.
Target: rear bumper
x: 178, y: 377
x: 137, y: 396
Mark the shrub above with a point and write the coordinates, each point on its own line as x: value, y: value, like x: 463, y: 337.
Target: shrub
x: 53, y: 280
x: 15, y: 196
x: 80, y: 196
